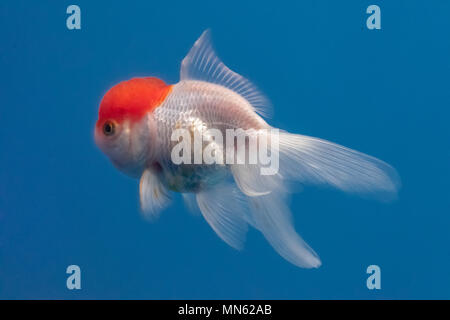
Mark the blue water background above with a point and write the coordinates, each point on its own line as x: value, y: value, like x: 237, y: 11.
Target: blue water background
x: 383, y: 92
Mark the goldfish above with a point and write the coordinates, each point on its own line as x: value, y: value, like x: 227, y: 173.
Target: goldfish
x: 137, y: 119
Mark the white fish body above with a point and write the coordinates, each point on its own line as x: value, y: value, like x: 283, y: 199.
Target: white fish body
x: 232, y: 196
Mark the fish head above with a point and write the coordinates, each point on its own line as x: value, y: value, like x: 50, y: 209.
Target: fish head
x: 125, y: 130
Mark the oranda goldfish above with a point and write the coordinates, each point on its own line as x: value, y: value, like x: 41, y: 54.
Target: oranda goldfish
x: 135, y: 124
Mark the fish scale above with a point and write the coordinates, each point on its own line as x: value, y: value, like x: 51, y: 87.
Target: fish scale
x: 189, y: 104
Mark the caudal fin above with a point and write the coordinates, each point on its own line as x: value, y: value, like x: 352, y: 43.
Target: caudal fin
x: 310, y: 161
x: 315, y: 161
x: 272, y: 217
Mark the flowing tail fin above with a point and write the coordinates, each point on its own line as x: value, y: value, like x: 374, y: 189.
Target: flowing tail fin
x: 272, y: 217
x: 310, y: 161
x: 316, y: 161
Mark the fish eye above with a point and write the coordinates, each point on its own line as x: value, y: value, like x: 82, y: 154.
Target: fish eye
x: 109, y: 128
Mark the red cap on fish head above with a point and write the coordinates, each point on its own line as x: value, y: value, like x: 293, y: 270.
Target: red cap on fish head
x: 132, y: 99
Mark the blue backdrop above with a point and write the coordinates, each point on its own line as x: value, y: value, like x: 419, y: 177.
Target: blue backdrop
x: 383, y: 92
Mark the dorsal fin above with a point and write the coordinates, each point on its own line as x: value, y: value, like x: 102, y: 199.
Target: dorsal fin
x: 202, y: 63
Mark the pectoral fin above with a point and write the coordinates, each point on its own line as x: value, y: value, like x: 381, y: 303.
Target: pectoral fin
x: 154, y: 196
